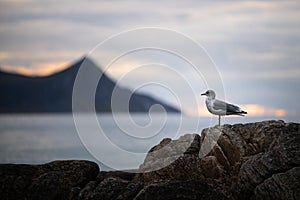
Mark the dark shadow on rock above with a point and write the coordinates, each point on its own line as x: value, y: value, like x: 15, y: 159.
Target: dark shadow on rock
x: 49, y: 181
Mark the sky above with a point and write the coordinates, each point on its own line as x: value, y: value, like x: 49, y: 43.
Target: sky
x: 254, y: 46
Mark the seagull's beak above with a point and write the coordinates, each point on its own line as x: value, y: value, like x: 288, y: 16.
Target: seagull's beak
x: 203, y: 94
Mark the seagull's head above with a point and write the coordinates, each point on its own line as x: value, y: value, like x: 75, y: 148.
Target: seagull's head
x: 210, y: 94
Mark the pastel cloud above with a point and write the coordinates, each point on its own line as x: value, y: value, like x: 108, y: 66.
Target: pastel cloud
x: 253, y: 110
x: 38, y: 69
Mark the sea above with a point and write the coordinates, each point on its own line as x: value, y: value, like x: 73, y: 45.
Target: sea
x: 115, y: 142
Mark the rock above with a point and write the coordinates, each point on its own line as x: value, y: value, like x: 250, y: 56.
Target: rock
x: 74, y: 192
x: 15, y: 179
x: 280, y: 161
x: 169, y: 151
x: 89, y: 188
x: 280, y: 186
x: 111, y: 185
x: 110, y: 188
x: 242, y: 161
x: 128, y: 176
x: 171, y: 190
x: 49, y: 181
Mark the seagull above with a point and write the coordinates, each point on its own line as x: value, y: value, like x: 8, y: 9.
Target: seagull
x: 220, y: 108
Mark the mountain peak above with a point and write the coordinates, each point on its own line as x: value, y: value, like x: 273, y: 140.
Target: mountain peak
x: 53, y: 93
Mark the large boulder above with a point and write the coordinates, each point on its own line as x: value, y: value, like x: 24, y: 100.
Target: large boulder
x: 54, y: 180
x: 242, y: 161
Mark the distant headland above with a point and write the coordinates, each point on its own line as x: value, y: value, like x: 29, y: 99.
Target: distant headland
x: 53, y: 93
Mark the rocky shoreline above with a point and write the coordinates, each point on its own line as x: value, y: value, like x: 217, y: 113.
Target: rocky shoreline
x: 242, y: 161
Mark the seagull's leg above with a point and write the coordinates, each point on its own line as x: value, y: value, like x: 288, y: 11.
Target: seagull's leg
x: 219, y: 120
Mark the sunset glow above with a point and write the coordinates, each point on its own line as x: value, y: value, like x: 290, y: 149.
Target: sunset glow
x: 253, y: 110
x: 121, y: 68
x: 39, y: 69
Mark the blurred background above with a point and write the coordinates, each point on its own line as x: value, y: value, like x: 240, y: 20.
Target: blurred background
x: 253, y: 45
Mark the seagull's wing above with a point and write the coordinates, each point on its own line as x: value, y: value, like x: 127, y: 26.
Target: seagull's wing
x: 229, y: 108
x: 219, y: 105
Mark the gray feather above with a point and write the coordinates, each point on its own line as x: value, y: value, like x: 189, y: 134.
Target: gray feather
x: 230, y: 108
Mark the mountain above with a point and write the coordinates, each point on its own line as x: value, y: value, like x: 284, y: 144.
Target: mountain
x: 24, y: 94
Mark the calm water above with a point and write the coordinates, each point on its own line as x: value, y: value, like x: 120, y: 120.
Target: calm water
x: 120, y: 142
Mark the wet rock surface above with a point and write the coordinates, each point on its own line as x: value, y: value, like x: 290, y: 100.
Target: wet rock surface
x: 243, y: 161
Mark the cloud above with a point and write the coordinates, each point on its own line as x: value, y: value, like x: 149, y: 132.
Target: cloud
x: 262, y: 74
x: 4, y: 56
x: 39, y: 69
x: 255, y: 110
x: 37, y: 56
x: 37, y: 63
x: 207, y: 22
